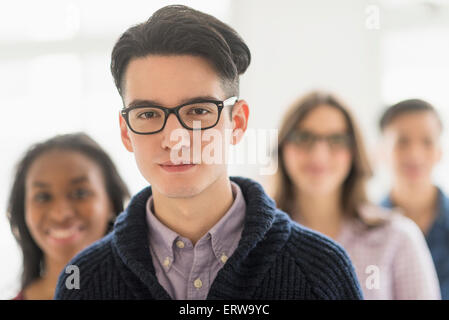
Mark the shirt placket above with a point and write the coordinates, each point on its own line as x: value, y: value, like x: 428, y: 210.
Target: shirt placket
x: 198, y: 282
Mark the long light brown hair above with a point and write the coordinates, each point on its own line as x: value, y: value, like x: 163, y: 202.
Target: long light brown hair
x: 354, y: 191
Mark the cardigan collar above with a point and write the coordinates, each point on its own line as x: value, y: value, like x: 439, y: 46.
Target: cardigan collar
x: 130, y: 242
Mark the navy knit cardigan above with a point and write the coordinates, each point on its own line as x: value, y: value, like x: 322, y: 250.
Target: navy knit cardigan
x: 276, y: 258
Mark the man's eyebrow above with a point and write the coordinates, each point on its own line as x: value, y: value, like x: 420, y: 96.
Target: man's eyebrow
x: 140, y: 102
x: 153, y: 103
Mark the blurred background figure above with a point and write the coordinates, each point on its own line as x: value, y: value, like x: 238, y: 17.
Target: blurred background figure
x: 321, y: 179
x: 412, y: 147
x: 66, y: 195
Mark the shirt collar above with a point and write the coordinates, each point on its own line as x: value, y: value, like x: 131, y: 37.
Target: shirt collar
x: 224, y: 235
x: 160, y: 236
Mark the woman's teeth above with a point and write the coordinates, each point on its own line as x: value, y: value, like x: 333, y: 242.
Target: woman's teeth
x: 63, y: 233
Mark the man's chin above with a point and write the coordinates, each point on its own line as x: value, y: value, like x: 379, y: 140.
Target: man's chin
x: 180, y: 193
x: 415, y: 180
x: 185, y: 185
x: 178, y: 189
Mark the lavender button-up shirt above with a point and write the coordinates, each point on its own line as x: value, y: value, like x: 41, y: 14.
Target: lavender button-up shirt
x: 185, y: 271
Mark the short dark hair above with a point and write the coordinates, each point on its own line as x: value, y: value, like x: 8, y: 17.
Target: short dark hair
x: 116, y: 189
x: 180, y: 30
x: 404, y: 107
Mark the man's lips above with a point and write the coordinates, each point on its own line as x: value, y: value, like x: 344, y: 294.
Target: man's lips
x: 412, y: 169
x: 171, y: 167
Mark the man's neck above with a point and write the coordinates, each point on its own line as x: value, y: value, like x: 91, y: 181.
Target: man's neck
x: 322, y: 213
x: 193, y: 217
x: 418, y: 202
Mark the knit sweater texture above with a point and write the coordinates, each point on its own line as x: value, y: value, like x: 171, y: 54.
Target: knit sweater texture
x: 276, y: 258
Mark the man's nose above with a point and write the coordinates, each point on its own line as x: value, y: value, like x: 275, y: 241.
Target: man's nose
x: 416, y: 152
x: 174, y: 134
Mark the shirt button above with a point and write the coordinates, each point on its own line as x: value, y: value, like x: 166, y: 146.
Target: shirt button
x: 166, y: 262
x: 198, y: 283
x: 180, y: 244
x: 224, y: 258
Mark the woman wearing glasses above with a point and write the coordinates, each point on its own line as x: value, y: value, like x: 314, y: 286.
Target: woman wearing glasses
x: 65, y: 196
x: 321, y: 179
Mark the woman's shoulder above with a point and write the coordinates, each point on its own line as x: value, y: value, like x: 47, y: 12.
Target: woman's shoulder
x: 391, y: 221
x: 377, y: 224
x: 375, y: 216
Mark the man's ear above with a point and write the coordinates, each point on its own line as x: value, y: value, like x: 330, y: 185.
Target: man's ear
x: 125, y: 134
x: 240, y: 115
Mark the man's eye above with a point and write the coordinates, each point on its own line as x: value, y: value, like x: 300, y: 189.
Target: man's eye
x: 428, y: 142
x: 199, y: 111
x: 402, y: 142
x: 147, y: 115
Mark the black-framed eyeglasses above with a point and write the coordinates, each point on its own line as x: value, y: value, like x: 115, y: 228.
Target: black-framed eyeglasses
x: 197, y: 115
x: 307, y: 140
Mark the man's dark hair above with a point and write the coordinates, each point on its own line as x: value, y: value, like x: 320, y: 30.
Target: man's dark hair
x: 180, y: 30
x: 404, y: 107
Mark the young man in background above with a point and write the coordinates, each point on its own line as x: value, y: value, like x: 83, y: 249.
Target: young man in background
x: 411, y: 132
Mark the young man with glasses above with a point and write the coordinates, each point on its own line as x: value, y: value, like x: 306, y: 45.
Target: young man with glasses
x: 196, y: 233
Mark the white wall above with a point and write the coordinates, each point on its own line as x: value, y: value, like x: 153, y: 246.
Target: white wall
x: 303, y: 45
